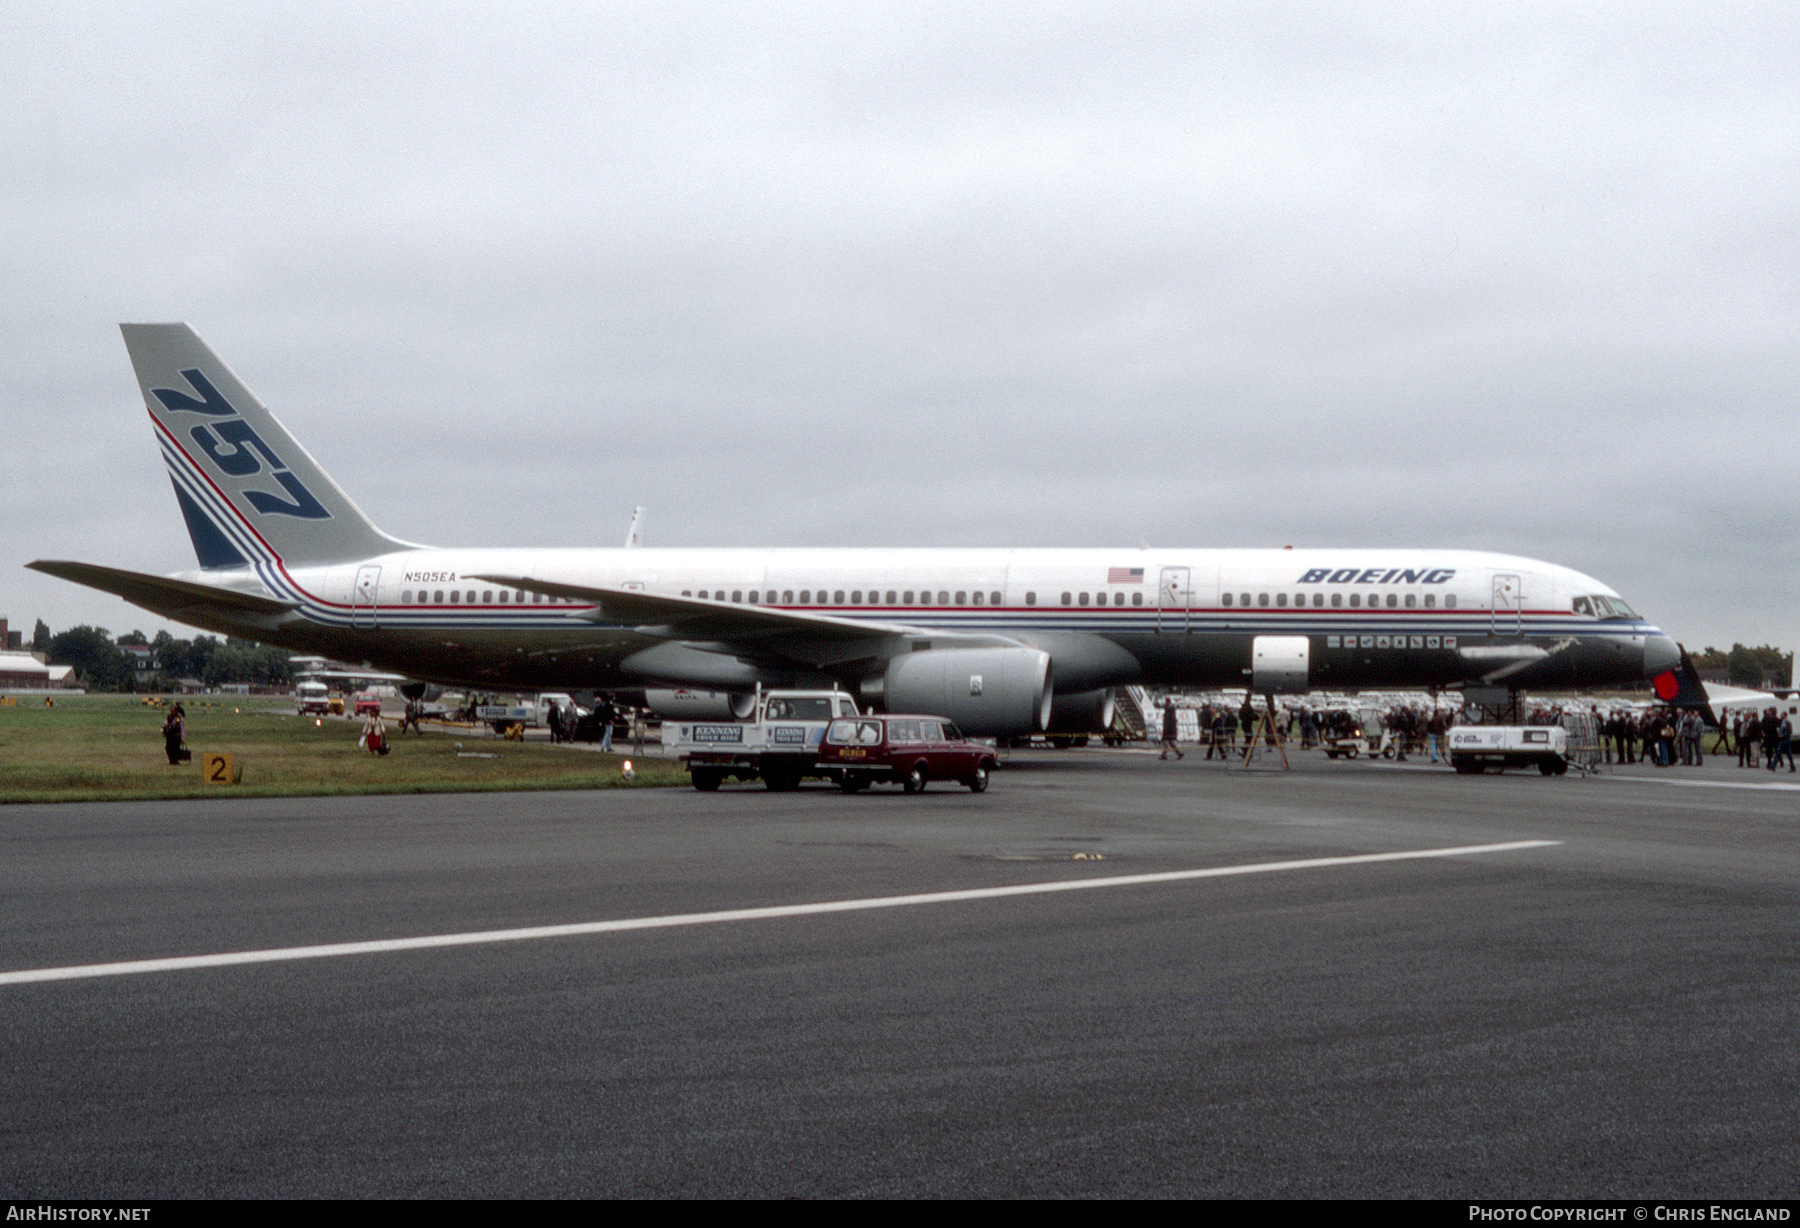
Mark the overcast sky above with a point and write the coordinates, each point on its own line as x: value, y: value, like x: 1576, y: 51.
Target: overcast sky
x: 1517, y: 277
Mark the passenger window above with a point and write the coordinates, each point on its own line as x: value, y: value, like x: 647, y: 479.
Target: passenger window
x: 1337, y: 600
x: 993, y: 598
x: 1243, y: 598
x: 1431, y: 601
x: 1262, y: 599
x: 1084, y: 599
x: 406, y: 597
x: 943, y: 597
x: 1281, y: 600
x: 518, y: 598
x: 1227, y: 598
x: 977, y: 598
x: 1393, y: 600
x: 856, y: 597
x: 455, y: 597
x: 1355, y: 601
x: 1067, y: 599
x: 1030, y: 598
x: 471, y: 596
x: 737, y: 594
x: 890, y: 597
x: 962, y: 598
x: 1118, y: 598
x: 1412, y: 600
x: 1449, y: 601
x: 1136, y: 599
x: 1318, y: 599
x: 837, y: 598
x: 487, y: 597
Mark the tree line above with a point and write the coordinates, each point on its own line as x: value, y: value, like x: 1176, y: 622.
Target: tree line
x: 101, y: 664
x: 1749, y: 666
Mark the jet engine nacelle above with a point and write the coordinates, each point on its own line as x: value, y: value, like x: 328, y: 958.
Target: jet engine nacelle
x: 1081, y: 712
x: 685, y: 704
x: 986, y: 691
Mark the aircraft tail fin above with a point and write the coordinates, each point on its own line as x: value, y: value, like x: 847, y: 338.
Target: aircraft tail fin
x: 249, y: 492
x: 1681, y: 687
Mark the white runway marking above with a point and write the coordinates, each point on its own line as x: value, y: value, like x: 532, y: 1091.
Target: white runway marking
x: 380, y: 946
x: 1766, y: 785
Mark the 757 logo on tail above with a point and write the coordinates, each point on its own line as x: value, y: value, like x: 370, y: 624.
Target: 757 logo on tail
x: 238, y: 450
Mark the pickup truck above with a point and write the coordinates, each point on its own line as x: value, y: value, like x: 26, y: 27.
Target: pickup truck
x: 778, y: 744
x: 1476, y: 748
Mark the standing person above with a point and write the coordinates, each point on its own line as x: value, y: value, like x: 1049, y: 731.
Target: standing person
x: 1784, y: 744
x: 174, y: 731
x: 372, y: 736
x: 608, y: 714
x: 1171, y: 727
x: 411, y: 719
x: 553, y: 718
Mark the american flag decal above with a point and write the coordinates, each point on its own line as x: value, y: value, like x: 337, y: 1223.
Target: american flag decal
x: 1124, y: 575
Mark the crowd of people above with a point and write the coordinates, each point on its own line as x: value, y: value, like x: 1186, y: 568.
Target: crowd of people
x: 1663, y: 736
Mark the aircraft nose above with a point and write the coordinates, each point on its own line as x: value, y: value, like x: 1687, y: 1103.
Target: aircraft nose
x: 1661, y: 654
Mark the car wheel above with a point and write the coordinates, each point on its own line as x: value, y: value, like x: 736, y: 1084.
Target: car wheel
x: 915, y: 781
x: 707, y: 780
x: 852, y: 784
x: 979, y: 781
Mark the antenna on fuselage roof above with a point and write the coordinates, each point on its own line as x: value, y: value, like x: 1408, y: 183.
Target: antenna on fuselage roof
x: 634, y: 536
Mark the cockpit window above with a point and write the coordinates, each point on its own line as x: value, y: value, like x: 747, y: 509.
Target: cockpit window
x: 1584, y: 606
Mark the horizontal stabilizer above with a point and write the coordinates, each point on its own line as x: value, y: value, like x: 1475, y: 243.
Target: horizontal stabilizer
x: 178, y: 599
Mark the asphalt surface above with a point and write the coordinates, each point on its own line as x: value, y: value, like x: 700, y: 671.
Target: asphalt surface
x: 1611, y: 1015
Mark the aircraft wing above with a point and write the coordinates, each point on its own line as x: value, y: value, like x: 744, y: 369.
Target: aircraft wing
x: 181, y: 600
x: 691, y: 618
x: 746, y: 631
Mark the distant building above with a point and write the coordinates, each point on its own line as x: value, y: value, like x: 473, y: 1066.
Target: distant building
x: 11, y: 641
x: 22, y: 671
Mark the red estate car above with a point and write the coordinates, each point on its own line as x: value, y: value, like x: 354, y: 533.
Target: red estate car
x: 908, y: 750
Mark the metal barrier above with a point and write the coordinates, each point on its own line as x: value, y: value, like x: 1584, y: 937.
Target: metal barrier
x: 1585, y: 750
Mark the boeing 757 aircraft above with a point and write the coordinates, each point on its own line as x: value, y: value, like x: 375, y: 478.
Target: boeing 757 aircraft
x: 1004, y: 642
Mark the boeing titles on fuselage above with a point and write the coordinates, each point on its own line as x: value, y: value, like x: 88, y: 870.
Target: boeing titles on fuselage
x: 1003, y: 641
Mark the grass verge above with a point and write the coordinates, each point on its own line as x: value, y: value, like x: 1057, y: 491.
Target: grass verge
x: 110, y: 748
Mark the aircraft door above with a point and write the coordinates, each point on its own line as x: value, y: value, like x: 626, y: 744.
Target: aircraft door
x: 362, y: 597
x: 1174, y: 597
x: 1509, y: 605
